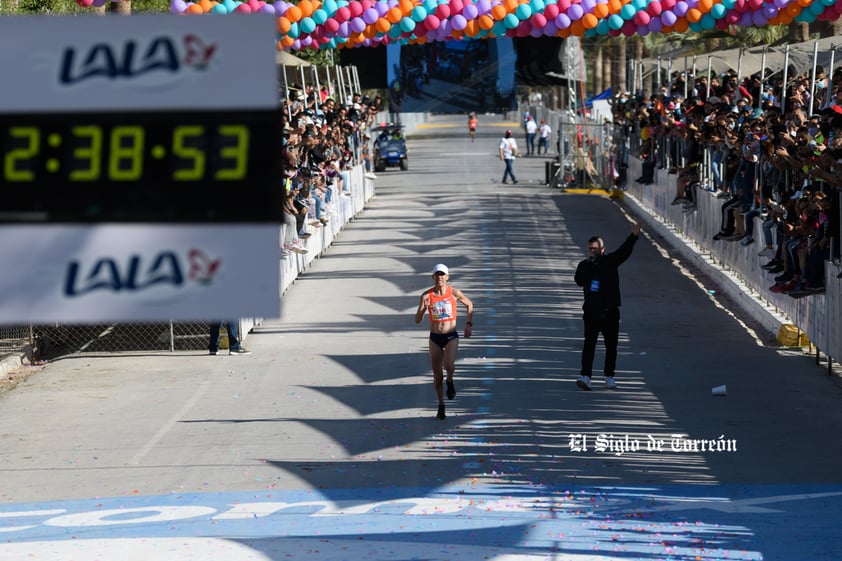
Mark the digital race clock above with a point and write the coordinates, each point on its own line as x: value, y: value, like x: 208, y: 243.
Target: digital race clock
x: 167, y: 166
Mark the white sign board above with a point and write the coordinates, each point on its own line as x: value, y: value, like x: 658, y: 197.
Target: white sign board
x: 116, y: 272
x: 138, y: 62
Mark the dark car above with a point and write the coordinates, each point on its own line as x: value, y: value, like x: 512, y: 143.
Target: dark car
x: 389, y: 147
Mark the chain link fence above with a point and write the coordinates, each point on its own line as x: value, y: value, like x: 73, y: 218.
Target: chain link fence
x: 60, y: 339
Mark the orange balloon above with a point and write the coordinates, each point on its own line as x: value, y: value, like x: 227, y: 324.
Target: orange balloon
x: 282, y: 25
x: 776, y: 20
x: 306, y: 8
x: 406, y: 6
x: 564, y: 33
x: 577, y: 28
x: 195, y: 9
x: 293, y: 14
x: 370, y: 32
x: 681, y: 25
x: 589, y: 21
x: 793, y: 9
x: 206, y: 5
x: 471, y: 28
x: 705, y: 6
x: 600, y: 10
x: 394, y: 15
x: 382, y: 25
x: 693, y: 15
x: 485, y: 22
x: 287, y: 42
x: 804, y: 3
x: 510, y: 5
x: 614, y: 6
x: 498, y: 12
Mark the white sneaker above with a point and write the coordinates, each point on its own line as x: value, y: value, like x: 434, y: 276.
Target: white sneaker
x: 610, y: 384
x: 584, y: 382
x: 767, y: 252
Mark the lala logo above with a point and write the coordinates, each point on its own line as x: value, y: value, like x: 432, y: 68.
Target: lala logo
x: 135, y: 274
x: 160, y: 56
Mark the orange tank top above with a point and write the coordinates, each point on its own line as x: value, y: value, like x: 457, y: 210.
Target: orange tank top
x: 442, y: 308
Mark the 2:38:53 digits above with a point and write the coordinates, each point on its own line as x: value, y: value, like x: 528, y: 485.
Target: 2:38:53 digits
x: 94, y: 153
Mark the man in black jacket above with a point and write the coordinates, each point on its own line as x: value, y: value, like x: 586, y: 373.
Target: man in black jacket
x: 600, y: 281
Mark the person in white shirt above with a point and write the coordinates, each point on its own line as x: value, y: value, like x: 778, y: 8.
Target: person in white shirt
x: 544, y: 132
x: 531, y: 129
x: 508, y: 152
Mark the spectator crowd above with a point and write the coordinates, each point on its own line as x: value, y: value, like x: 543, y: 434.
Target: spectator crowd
x: 322, y: 141
x: 771, y: 151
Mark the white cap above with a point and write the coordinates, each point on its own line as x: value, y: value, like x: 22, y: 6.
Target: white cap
x: 440, y: 269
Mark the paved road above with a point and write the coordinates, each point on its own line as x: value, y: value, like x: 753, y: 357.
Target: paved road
x: 323, y: 443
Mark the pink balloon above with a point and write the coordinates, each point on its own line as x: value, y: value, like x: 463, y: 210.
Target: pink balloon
x: 654, y: 8
x: 721, y: 24
x: 243, y: 9
x: 432, y: 22
x: 331, y: 25
x: 254, y: 5
x: 755, y: 4
x: 731, y: 17
x: 667, y: 5
x: 356, y: 8
x: 740, y: 6
x: 551, y: 11
x: 342, y: 15
x: 442, y: 11
x: 455, y: 7
x: 563, y: 6
x: 539, y: 21
x: 459, y: 22
x: 628, y: 28
x: 642, y: 18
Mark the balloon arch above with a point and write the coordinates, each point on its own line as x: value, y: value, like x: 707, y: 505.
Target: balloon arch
x: 354, y: 23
